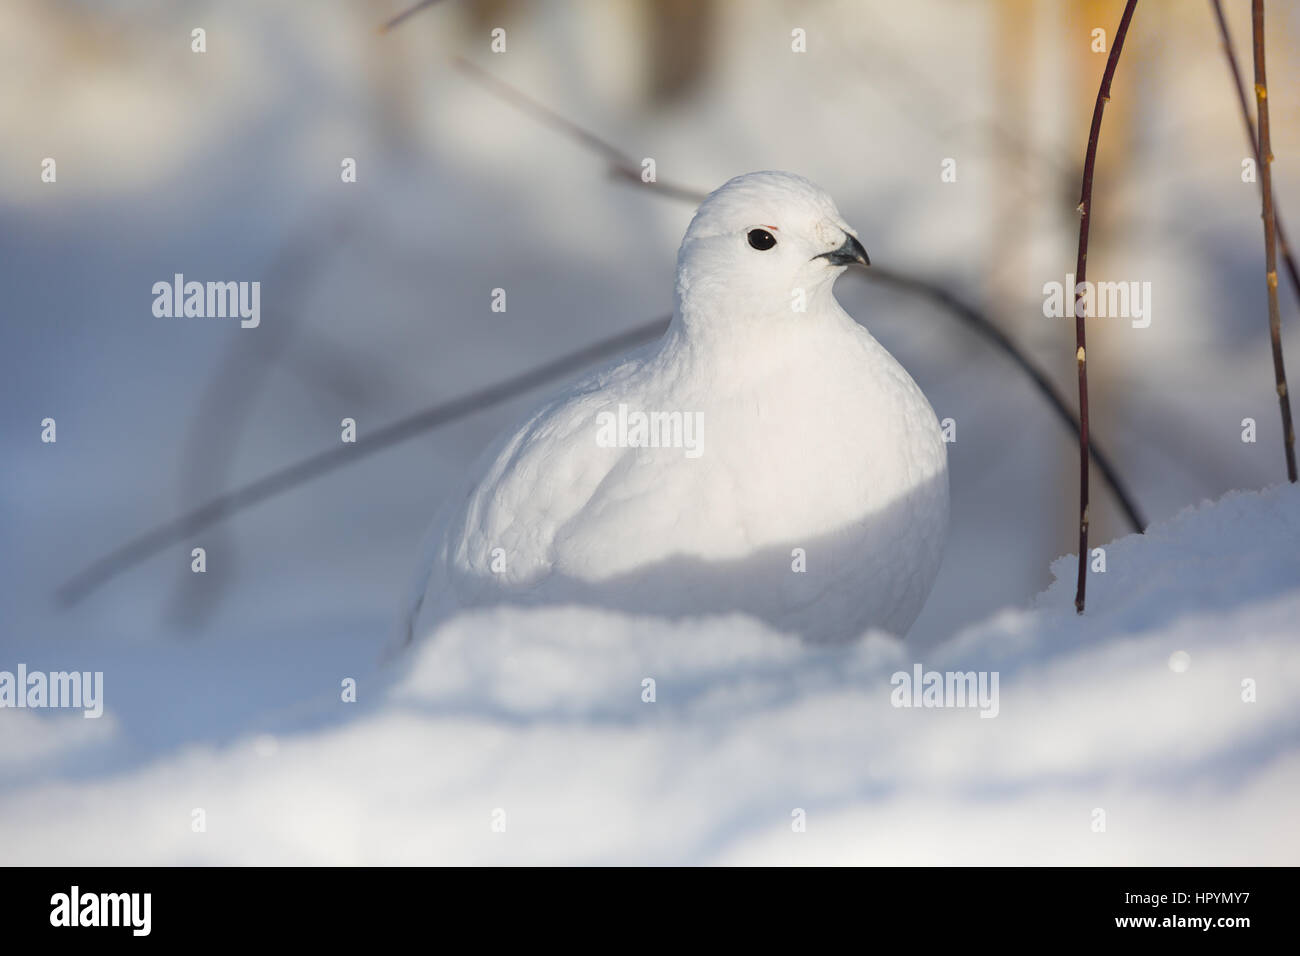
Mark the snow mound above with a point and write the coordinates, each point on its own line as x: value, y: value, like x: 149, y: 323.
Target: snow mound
x: 1162, y: 727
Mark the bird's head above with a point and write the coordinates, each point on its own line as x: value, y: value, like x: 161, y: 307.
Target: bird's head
x: 765, y: 243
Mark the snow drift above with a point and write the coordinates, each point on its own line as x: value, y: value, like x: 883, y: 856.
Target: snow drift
x: 1159, y: 728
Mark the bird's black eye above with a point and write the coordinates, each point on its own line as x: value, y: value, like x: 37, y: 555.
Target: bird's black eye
x: 761, y: 239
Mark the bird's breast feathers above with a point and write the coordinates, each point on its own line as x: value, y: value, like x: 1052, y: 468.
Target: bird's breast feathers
x: 615, y: 477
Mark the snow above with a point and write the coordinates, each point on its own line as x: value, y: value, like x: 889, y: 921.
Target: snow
x: 540, y: 713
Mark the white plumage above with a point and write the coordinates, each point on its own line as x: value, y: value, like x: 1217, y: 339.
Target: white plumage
x: 815, y: 498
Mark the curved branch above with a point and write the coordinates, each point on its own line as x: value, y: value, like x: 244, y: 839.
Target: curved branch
x: 1081, y: 264
x: 406, y: 15
x: 278, y: 482
x: 1265, y: 152
x: 1240, y: 87
x: 1000, y: 340
x: 621, y: 165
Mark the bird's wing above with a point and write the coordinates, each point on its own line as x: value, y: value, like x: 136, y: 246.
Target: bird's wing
x: 498, y: 530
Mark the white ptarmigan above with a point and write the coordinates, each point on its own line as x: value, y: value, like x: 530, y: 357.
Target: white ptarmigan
x: 766, y: 456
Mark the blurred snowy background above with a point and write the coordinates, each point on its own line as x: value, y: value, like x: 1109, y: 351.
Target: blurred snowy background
x: 222, y: 688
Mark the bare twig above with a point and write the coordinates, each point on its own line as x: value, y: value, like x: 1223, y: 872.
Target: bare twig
x: 1239, y: 84
x: 165, y: 535
x: 1265, y: 152
x: 1080, y: 355
x: 994, y: 334
x: 621, y: 165
x: 407, y: 14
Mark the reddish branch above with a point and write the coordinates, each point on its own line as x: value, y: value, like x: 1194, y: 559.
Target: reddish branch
x: 1265, y: 153
x: 1080, y: 355
x: 1239, y: 84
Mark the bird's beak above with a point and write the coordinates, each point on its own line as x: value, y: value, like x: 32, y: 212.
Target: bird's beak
x: 847, y: 254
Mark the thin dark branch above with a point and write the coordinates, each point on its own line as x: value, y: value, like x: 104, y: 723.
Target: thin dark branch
x: 621, y: 165
x: 1240, y: 85
x: 990, y: 331
x: 1081, y: 263
x: 177, y: 530
x: 1265, y: 153
x: 407, y: 14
